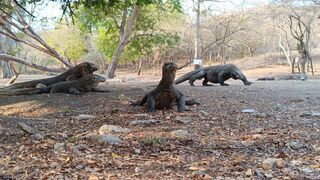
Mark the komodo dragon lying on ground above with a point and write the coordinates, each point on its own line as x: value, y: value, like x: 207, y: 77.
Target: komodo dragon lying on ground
x: 72, y: 74
x: 214, y: 74
x: 87, y: 83
x: 165, y: 95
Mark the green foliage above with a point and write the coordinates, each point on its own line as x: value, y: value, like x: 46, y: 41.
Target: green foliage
x: 147, y: 31
x: 67, y: 41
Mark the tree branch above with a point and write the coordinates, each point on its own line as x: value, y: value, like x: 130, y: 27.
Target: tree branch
x: 8, y: 58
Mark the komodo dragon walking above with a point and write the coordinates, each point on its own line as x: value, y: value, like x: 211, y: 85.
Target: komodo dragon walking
x: 214, y: 74
x: 87, y: 83
x: 72, y: 74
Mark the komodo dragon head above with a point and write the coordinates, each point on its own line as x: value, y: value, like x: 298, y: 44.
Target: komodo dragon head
x: 169, y: 67
x: 88, y: 68
x: 95, y: 78
x: 168, y: 73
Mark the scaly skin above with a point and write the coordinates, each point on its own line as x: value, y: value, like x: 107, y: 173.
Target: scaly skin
x: 85, y: 84
x: 72, y: 74
x: 214, y: 74
x: 165, y: 95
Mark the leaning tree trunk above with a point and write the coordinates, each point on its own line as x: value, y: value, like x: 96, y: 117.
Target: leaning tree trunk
x: 6, y: 70
x: 125, y: 33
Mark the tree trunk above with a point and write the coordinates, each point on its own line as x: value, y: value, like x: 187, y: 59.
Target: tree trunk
x: 6, y: 70
x: 197, y: 50
x: 139, y: 66
x: 124, y: 37
x: 114, y: 61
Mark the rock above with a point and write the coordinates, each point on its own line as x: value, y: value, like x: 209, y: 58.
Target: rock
x: 85, y: 117
x: 307, y: 170
x: 54, y: 165
x: 107, y: 129
x: 204, y: 113
x: 183, y: 120
x: 272, y: 163
x: 181, y: 134
x: 258, y: 130
x: 38, y: 136
x: 295, y: 163
x: 248, y: 111
x: 108, y: 139
x: 130, y: 79
x: 4, y: 131
x: 249, y: 173
x: 140, y: 115
x: 137, y: 170
x: 315, y: 114
x: 296, y: 145
x: 144, y: 122
x: 78, y: 148
x: 261, y: 115
x: 80, y: 166
x: 59, y: 146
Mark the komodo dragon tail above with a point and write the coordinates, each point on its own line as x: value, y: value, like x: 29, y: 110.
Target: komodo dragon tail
x: 25, y: 91
x: 187, y: 76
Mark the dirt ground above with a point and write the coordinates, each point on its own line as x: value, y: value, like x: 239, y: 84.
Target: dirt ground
x: 279, y: 139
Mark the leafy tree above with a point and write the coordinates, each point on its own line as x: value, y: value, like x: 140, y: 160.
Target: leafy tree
x: 125, y: 26
x: 66, y: 40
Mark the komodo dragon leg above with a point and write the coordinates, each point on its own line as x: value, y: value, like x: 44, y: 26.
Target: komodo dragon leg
x: 151, y: 103
x: 180, y: 101
x: 74, y: 91
x: 205, y: 82
x: 199, y: 75
x: 221, y: 79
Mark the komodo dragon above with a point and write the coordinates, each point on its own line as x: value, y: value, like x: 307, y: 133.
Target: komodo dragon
x: 87, y: 83
x: 72, y: 74
x: 166, y: 95
x: 214, y: 74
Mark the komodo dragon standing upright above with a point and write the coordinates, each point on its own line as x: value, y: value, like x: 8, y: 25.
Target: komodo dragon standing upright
x: 72, y: 74
x: 87, y: 83
x: 165, y: 95
x: 214, y: 74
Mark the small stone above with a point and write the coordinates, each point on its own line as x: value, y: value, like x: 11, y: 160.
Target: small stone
x: 296, y: 145
x: 140, y: 115
x: 85, y: 117
x: 249, y: 173
x: 37, y: 136
x: 258, y: 130
x: 198, y: 172
x: 204, y: 113
x: 269, y: 176
x: 80, y: 166
x: 181, y: 134
x: 54, y: 165
x: 261, y: 115
x: 107, y: 129
x: 137, y: 151
x: 108, y: 139
x: 307, y: 170
x: 248, y: 111
x: 59, y: 146
x: 137, y: 170
x: 183, y: 120
x: 272, y: 163
x: 315, y: 114
x: 4, y: 131
x: 144, y: 122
